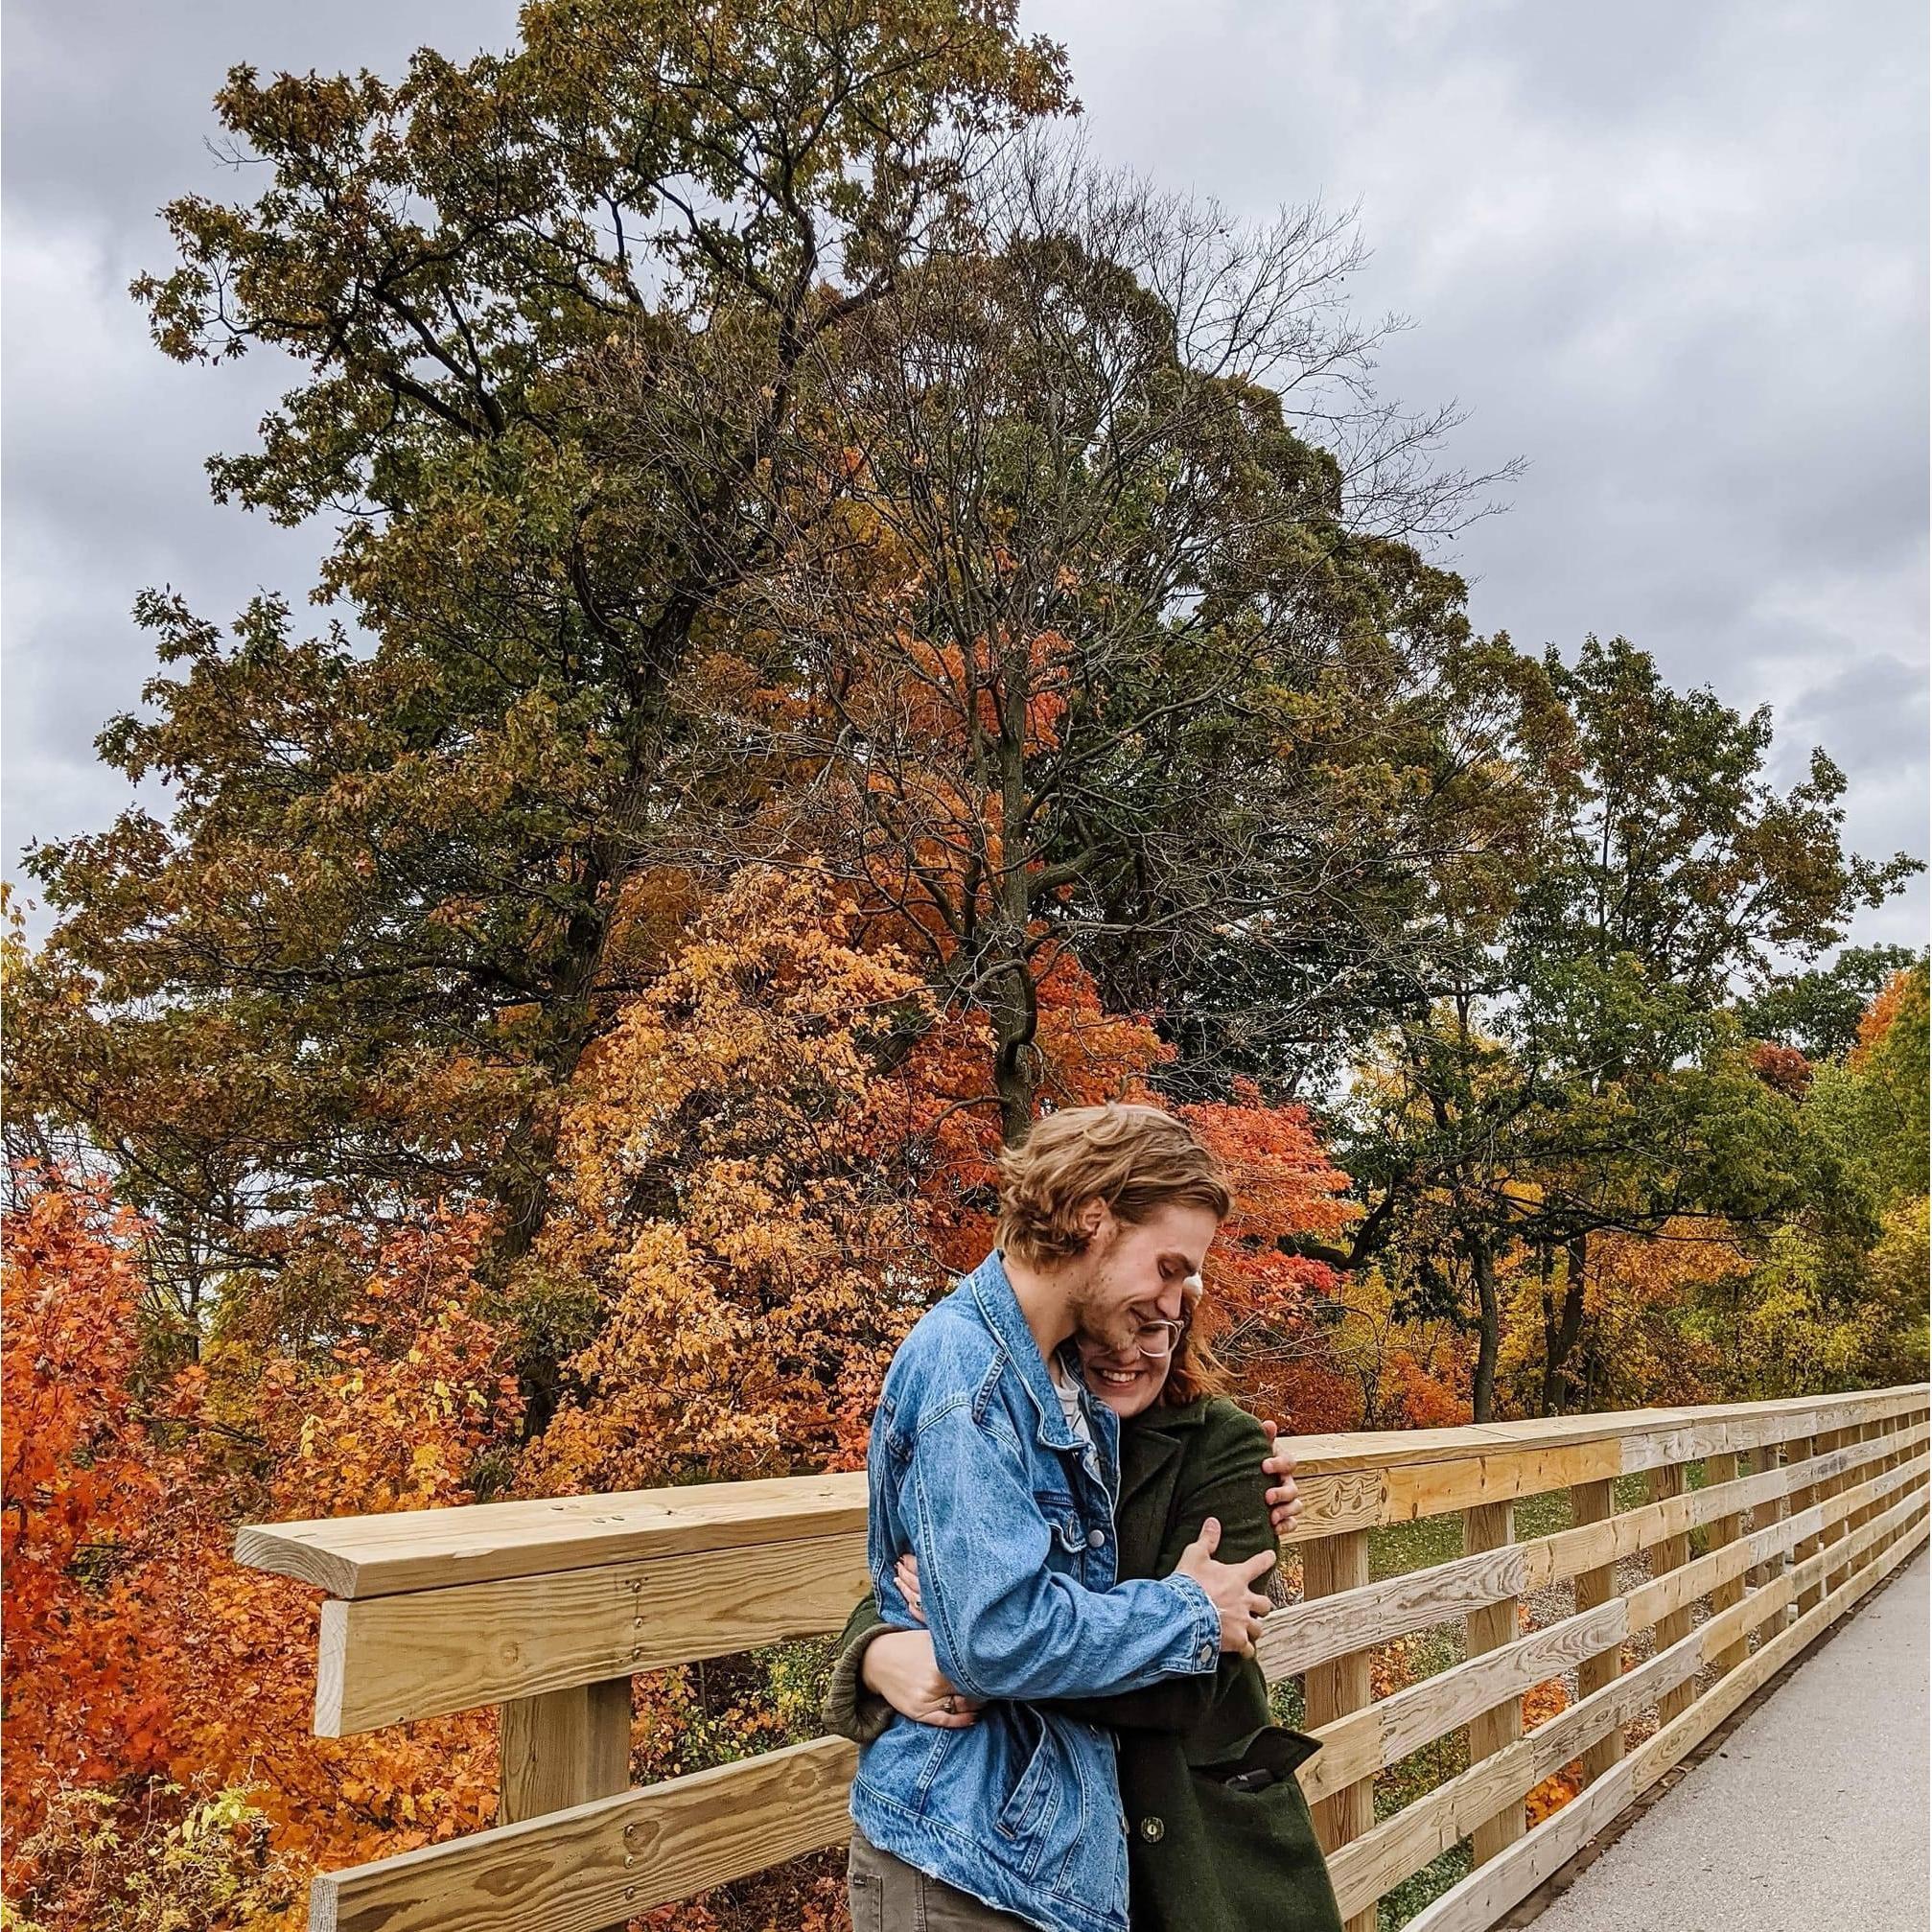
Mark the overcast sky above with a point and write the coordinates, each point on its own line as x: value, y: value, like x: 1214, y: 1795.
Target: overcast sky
x: 1673, y: 254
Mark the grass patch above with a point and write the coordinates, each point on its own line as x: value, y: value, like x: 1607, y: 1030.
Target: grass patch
x: 1397, y: 1548
x: 1448, y: 1868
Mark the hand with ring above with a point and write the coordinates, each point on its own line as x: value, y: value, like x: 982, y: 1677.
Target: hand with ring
x: 899, y: 1666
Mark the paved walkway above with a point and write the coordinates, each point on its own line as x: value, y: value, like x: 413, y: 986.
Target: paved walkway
x: 1811, y: 1817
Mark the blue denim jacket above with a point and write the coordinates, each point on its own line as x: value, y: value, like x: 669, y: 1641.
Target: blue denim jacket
x: 973, y: 1468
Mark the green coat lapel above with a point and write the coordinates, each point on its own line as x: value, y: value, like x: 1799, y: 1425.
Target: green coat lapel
x: 1151, y: 1451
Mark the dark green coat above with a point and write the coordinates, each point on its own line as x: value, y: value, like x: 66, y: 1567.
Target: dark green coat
x: 1202, y: 1858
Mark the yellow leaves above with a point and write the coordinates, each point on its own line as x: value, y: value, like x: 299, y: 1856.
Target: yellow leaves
x: 721, y: 1163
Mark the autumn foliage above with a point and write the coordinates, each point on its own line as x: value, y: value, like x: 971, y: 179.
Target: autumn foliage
x: 165, y: 1693
x: 84, y: 1703
x: 847, y: 656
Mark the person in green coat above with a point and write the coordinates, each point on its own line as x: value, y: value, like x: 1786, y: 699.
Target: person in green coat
x: 1218, y: 1835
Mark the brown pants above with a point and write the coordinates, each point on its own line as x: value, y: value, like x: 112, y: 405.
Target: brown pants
x: 887, y: 1895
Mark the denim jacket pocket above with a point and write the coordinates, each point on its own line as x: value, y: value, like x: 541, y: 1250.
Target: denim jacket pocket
x: 1036, y: 1795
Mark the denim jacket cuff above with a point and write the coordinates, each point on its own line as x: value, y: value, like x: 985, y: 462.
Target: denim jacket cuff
x: 1199, y: 1650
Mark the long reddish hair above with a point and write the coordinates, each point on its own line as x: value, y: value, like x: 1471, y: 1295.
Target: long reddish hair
x: 1194, y: 1370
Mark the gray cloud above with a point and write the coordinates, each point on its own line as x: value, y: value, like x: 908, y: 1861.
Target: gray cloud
x: 1674, y: 255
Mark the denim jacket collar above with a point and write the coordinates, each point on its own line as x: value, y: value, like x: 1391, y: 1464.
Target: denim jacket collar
x: 999, y: 1307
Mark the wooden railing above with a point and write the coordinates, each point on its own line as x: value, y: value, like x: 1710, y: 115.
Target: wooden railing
x: 545, y: 1609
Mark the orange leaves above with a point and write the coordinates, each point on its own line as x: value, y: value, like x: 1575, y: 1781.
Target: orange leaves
x: 734, y: 1188
x: 1285, y: 1187
x: 1542, y: 1702
x: 134, y: 1644
x: 1877, y: 1021
x: 82, y: 1698
x: 1782, y: 1068
x: 948, y: 693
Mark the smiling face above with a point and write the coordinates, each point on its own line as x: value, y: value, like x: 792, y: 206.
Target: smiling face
x: 1126, y: 1379
x: 1137, y: 1272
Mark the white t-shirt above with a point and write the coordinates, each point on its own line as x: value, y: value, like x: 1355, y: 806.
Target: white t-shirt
x: 1068, y: 1392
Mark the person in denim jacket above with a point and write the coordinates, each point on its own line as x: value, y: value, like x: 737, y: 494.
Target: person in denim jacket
x: 991, y: 1464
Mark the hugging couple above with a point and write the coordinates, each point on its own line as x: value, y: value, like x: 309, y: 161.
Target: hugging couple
x: 1054, y: 1682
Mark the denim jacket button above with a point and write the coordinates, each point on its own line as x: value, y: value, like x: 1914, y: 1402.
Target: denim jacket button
x: 1152, y: 1830
x: 1096, y: 1539
x: 1207, y: 1653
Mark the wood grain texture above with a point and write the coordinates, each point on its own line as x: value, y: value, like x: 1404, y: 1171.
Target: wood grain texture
x: 422, y: 1653
x: 1724, y: 1430
x: 1670, y: 1743
x: 1429, y: 1824
x: 1491, y: 1889
x: 1761, y: 1552
x: 482, y: 1541
x: 1479, y: 1900
x: 1765, y: 1516
x: 1668, y: 1480
x: 1310, y: 1632
x: 1349, y: 1499
x: 1361, y: 1744
x: 1727, y: 1589
x: 439, y: 1549
x: 1338, y: 1566
x: 1901, y: 1453
x: 1492, y: 1525
x: 599, y: 1863
x: 419, y: 1654
x: 1853, y: 1499
x: 1435, y: 1488
x: 1591, y: 1504
x: 1842, y: 1443
x: 564, y: 1747
x: 1804, y: 1494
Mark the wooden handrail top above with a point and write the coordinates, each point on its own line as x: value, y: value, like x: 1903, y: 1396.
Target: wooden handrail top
x: 367, y: 1556
x: 354, y: 1556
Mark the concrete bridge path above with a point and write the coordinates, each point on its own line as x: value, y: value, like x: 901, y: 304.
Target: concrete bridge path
x: 1809, y: 1817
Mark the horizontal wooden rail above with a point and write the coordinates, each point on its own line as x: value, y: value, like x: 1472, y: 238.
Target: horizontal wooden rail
x: 546, y: 1608
x: 355, y: 1556
x: 1348, y: 1482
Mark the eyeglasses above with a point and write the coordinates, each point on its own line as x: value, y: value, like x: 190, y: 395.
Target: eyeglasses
x: 1159, y: 1340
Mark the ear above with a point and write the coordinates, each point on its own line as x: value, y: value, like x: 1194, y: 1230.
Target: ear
x: 1094, y: 1215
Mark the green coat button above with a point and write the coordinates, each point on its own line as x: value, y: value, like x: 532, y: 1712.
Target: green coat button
x: 1152, y: 1830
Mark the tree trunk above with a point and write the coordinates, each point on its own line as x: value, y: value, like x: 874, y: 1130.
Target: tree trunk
x: 1014, y: 1012
x: 1561, y: 1330
x: 1488, y: 1327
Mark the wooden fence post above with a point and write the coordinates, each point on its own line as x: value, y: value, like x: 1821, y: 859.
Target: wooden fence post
x: 1596, y: 1502
x: 1802, y: 1448
x: 1835, y: 1532
x: 1671, y: 1553
x: 1725, y: 1530
x: 1489, y: 1525
x: 1896, y: 1427
x: 1335, y: 1688
x: 1764, y: 1459
x: 1866, y: 1432
x: 564, y: 1747
x: 523, y: 1605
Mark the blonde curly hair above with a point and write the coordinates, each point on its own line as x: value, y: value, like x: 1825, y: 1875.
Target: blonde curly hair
x: 1136, y: 1158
